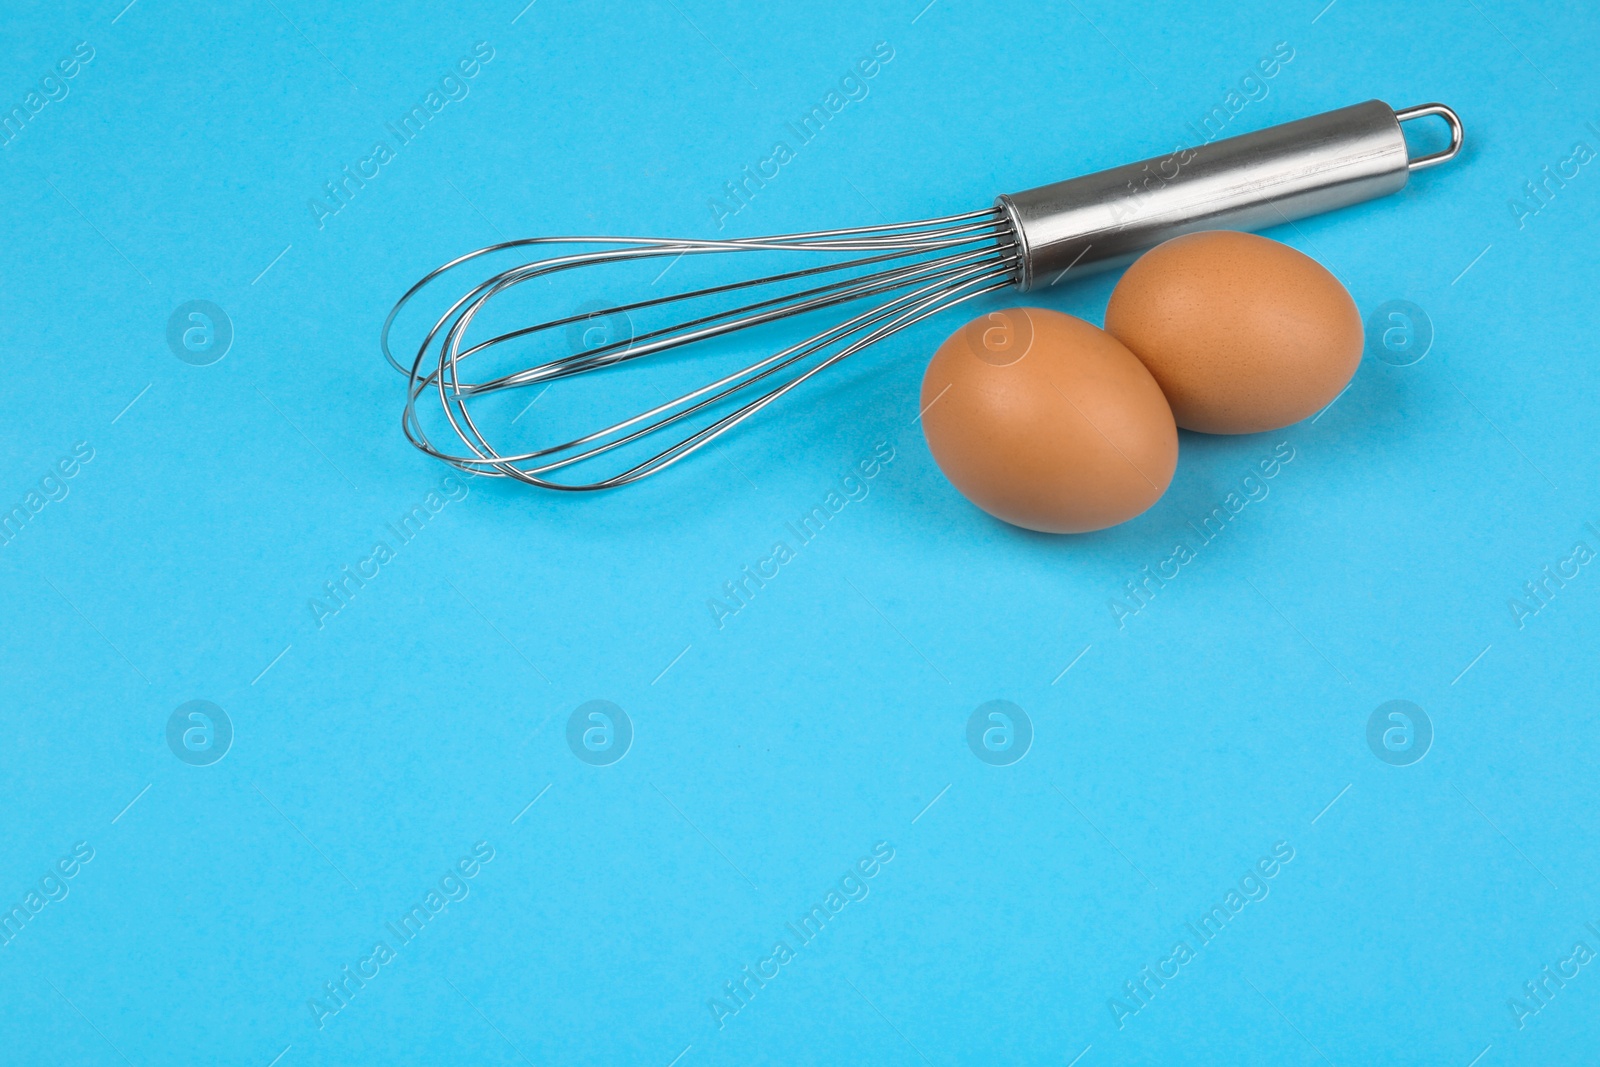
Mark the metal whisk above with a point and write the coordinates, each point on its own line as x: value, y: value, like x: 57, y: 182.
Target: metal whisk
x: 887, y: 278
x: 913, y: 270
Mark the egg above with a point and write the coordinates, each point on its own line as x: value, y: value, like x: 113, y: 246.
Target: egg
x: 1047, y: 422
x: 1244, y: 334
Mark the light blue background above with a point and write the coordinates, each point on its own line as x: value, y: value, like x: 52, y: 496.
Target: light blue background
x: 828, y: 715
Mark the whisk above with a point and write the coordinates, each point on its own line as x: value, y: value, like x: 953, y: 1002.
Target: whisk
x: 885, y: 278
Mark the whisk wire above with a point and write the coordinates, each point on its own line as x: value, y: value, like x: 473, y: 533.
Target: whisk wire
x: 914, y: 269
x: 793, y: 354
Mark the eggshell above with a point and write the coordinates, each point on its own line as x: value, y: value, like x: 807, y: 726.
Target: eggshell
x: 1244, y: 334
x: 1047, y: 422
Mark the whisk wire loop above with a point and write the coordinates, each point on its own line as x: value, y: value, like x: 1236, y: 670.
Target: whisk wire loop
x: 912, y: 270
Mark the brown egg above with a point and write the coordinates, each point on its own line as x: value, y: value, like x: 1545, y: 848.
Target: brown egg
x: 1047, y: 422
x: 1243, y: 333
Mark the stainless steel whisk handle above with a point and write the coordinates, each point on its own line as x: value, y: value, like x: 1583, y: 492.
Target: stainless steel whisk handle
x: 1252, y: 181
